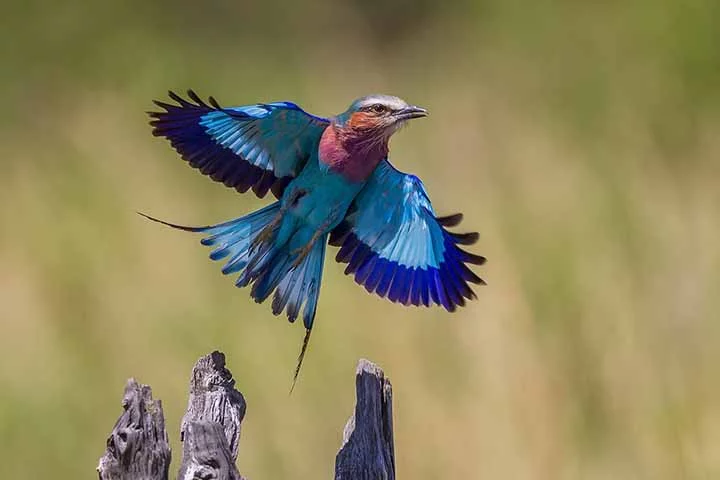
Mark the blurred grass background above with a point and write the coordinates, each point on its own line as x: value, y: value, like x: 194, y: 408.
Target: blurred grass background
x: 580, y: 138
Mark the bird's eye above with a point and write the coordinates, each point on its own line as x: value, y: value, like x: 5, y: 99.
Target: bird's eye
x: 378, y: 108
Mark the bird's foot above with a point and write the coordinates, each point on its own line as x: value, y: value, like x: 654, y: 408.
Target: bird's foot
x: 300, y: 254
x: 262, y: 237
x: 267, y: 232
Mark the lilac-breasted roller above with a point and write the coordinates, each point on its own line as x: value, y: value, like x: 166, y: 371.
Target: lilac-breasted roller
x: 333, y: 181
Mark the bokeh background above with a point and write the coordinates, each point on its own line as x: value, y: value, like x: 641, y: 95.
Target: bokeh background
x: 582, y: 139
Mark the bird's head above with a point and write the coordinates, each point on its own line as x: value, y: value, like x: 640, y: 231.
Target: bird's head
x: 378, y: 115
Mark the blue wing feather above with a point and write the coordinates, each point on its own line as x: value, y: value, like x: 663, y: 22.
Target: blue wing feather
x: 261, y: 146
x: 396, y: 246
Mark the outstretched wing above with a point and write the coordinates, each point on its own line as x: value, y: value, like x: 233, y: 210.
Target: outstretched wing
x: 262, y: 146
x: 396, y: 246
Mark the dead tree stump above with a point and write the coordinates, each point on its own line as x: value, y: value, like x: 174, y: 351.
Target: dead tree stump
x: 138, y: 448
x: 210, y: 429
x: 367, y: 452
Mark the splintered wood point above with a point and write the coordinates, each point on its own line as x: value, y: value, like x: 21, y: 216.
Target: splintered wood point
x: 367, y: 451
x: 137, y: 447
x: 210, y: 429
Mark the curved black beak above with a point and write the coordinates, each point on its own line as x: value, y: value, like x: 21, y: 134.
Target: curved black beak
x: 409, y: 112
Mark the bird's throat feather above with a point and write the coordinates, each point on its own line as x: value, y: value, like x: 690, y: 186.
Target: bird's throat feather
x: 352, y: 152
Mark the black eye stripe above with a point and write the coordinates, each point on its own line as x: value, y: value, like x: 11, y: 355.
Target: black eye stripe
x: 376, y: 108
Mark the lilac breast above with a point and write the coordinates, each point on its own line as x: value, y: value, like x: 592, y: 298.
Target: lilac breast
x: 352, y: 156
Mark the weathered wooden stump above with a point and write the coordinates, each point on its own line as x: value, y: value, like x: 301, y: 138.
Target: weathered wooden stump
x: 210, y: 429
x: 367, y: 452
x: 138, y: 448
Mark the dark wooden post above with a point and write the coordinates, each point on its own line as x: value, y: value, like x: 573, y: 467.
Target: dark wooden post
x: 368, y: 450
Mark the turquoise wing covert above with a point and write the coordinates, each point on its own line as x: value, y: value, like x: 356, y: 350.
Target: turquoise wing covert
x: 396, y: 247
x: 261, y: 146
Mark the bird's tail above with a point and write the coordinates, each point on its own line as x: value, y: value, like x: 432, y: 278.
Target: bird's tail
x: 294, y: 286
x: 250, y: 246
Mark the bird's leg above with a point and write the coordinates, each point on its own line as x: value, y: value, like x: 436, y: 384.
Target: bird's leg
x: 303, y: 251
x: 267, y: 231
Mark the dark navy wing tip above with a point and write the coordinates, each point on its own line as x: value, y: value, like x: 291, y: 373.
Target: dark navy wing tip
x: 196, y: 98
x: 165, y: 106
x: 472, y: 258
x: 450, y: 307
x: 178, y: 98
x: 184, y: 103
x: 468, y: 238
x: 450, y: 220
x: 447, y: 286
x: 214, y: 103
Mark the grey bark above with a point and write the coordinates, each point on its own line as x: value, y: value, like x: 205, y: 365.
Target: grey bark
x: 368, y: 450
x: 137, y: 448
x: 210, y: 429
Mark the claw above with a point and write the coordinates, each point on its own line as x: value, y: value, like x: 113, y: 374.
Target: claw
x: 301, y: 253
x: 304, y: 251
x: 262, y: 237
x: 266, y: 233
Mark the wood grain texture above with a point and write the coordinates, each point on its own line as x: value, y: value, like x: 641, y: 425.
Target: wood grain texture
x: 368, y: 450
x: 137, y: 447
x: 210, y: 429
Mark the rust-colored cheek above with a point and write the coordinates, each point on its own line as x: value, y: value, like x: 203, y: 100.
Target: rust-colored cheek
x: 363, y: 121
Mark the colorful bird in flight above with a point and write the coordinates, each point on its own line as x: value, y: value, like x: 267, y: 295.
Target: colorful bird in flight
x: 334, y: 184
